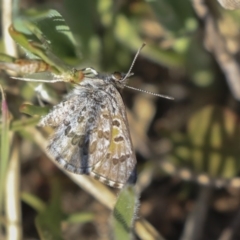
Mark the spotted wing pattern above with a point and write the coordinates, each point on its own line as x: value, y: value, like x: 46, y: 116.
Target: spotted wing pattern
x: 117, y: 165
x: 92, y: 134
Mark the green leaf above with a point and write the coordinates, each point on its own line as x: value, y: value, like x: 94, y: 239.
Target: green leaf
x: 4, y: 145
x: 33, y: 201
x: 175, y: 16
x: 48, y: 222
x: 33, y: 110
x: 85, y: 28
x: 81, y: 217
x: 124, y: 214
x: 127, y: 34
x: 210, y: 146
x: 50, y: 29
x: 32, y: 47
x: 18, y: 125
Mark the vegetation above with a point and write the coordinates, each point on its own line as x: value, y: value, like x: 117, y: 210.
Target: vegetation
x: 187, y: 149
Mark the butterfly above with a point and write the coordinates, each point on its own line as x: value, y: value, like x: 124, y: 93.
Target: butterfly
x: 91, y: 134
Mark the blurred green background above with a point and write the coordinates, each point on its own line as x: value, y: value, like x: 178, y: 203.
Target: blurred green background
x: 183, y: 147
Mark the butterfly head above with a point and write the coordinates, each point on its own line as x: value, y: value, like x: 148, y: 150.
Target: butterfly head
x: 119, y: 79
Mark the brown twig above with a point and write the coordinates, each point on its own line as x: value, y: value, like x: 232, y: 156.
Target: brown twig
x: 216, y: 43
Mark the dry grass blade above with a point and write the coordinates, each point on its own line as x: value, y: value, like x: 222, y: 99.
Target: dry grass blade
x: 12, y: 197
x: 230, y: 4
x: 7, y: 12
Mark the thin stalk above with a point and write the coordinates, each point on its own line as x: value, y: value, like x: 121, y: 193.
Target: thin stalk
x: 12, y: 197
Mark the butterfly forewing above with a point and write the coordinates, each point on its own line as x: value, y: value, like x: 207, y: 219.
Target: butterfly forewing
x: 61, y: 113
x: 72, y: 140
x: 118, y: 164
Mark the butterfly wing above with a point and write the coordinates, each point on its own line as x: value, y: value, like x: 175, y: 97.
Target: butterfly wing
x: 117, y: 166
x: 62, y: 112
x: 75, y: 143
x: 92, y: 136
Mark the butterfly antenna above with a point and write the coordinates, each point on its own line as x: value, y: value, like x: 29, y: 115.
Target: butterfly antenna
x: 133, y: 62
x: 151, y: 93
x: 141, y: 90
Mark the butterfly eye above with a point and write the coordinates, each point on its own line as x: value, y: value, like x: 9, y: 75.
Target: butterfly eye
x: 117, y: 76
